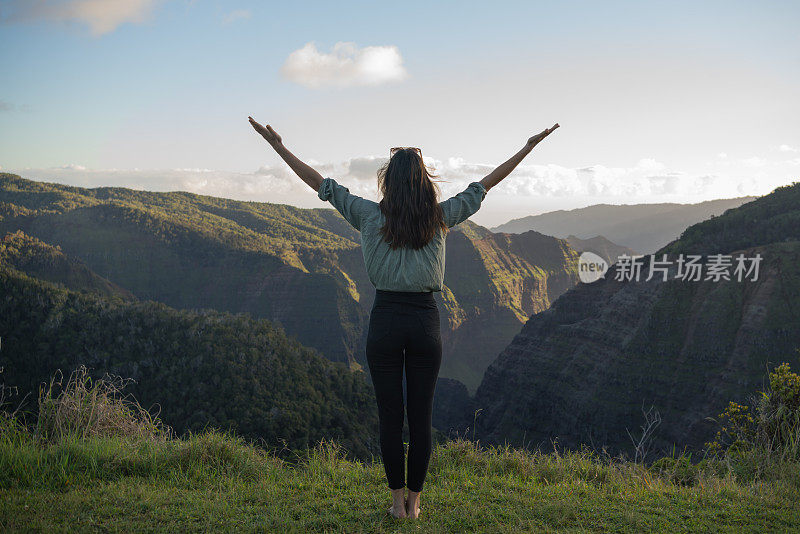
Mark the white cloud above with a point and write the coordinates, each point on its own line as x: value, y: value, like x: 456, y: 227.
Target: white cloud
x: 265, y: 185
x: 346, y: 66
x: 102, y: 16
x: 646, y: 181
x: 787, y: 148
x: 236, y: 14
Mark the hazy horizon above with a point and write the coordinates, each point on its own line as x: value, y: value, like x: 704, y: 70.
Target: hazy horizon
x: 314, y: 202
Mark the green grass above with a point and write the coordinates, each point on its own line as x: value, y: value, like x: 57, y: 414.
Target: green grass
x: 217, y: 482
x: 95, y: 460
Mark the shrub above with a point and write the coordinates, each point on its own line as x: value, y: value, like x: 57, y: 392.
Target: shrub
x: 771, y: 424
x: 86, y: 408
x: 778, y: 419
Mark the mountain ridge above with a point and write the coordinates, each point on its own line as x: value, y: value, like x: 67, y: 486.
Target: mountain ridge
x: 641, y: 227
x: 584, y: 369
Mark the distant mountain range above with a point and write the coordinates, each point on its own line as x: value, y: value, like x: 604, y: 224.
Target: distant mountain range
x: 584, y: 370
x: 642, y: 227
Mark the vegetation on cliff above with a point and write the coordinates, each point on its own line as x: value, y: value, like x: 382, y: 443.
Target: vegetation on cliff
x: 40, y: 260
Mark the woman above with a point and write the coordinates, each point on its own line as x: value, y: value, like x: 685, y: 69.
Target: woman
x: 403, y: 242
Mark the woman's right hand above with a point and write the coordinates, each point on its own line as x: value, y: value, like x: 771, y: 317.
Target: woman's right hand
x: 536, y: 139
x: 266, y: 132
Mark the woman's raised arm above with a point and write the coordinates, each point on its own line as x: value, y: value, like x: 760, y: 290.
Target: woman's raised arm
x: 306, y: 173
x: 497, y: 175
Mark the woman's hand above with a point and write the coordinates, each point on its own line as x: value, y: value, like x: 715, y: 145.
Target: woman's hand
x: 503, y: 170
x: 306, y: 173
x: 266, y: 132
x: 536, y: 139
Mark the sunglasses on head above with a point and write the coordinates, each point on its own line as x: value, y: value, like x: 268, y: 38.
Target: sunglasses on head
x: 395, y: 149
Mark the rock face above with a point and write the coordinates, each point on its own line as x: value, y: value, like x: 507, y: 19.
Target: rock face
x: 584, y: 370
x: 300, y: 268
x: 494, y: 282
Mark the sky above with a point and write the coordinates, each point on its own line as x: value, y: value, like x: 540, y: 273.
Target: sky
x: 657, y: 101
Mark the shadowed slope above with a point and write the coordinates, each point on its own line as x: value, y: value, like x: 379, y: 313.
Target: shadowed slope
x: 582, y: 370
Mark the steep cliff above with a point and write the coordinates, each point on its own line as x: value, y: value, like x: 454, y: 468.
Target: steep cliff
x: 583, y: 370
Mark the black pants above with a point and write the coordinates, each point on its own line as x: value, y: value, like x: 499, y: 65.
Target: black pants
x: 403, y: 333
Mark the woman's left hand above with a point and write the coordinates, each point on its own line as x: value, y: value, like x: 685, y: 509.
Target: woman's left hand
x: 266, y: 132
x: 536, y: 139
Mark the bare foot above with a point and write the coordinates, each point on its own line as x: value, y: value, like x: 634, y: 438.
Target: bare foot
x: 413, y: 511
x: 397, y: 512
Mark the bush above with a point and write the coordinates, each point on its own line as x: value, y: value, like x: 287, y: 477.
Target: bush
x: 778, y: 419
x: 770, y: 425
x: 86, y: 408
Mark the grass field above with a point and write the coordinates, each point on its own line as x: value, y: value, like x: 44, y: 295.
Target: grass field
x: 95, y: 460
x: 215, y: 482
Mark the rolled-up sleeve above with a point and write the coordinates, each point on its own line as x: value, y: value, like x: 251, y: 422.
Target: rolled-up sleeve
x: 461, y: 206
x: 352, y: 207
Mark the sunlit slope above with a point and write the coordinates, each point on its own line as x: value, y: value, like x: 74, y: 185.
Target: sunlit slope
x: 45, y: 262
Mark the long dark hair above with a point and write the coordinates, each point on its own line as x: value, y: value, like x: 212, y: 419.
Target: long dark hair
x: 410, y: 201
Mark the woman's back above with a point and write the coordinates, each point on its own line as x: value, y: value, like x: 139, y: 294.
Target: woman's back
x: 404, y: 268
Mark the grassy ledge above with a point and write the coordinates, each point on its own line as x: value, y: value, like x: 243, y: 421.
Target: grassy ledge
x: 93, y: 460
x: 217, y: 481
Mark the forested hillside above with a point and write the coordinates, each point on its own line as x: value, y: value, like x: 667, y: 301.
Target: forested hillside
x: 40, y: 260
x: 198, y: 368
x: 300, y: 268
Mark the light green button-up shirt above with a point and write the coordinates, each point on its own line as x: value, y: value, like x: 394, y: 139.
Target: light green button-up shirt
x: 402, y: 269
